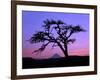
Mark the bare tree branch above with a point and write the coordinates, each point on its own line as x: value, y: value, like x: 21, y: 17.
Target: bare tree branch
x: 71, y: 41
x: 42, y: 48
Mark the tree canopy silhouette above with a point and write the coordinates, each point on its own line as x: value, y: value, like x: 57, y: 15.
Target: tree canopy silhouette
x: 56, y: 32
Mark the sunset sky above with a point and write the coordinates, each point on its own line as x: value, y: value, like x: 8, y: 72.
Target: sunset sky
x: 32, y: 22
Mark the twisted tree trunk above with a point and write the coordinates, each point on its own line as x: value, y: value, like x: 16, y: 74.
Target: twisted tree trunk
x: 66, y: 50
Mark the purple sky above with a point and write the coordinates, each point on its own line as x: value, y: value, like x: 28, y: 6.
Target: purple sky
x: 32, y: 21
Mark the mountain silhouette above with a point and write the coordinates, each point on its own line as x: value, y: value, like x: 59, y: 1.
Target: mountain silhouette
x: 56, y: 56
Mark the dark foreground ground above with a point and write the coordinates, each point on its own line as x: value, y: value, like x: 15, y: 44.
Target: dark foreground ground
x: 59, y: 62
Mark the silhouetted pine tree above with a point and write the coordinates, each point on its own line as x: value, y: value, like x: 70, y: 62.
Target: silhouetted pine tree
x: 62, y: 38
